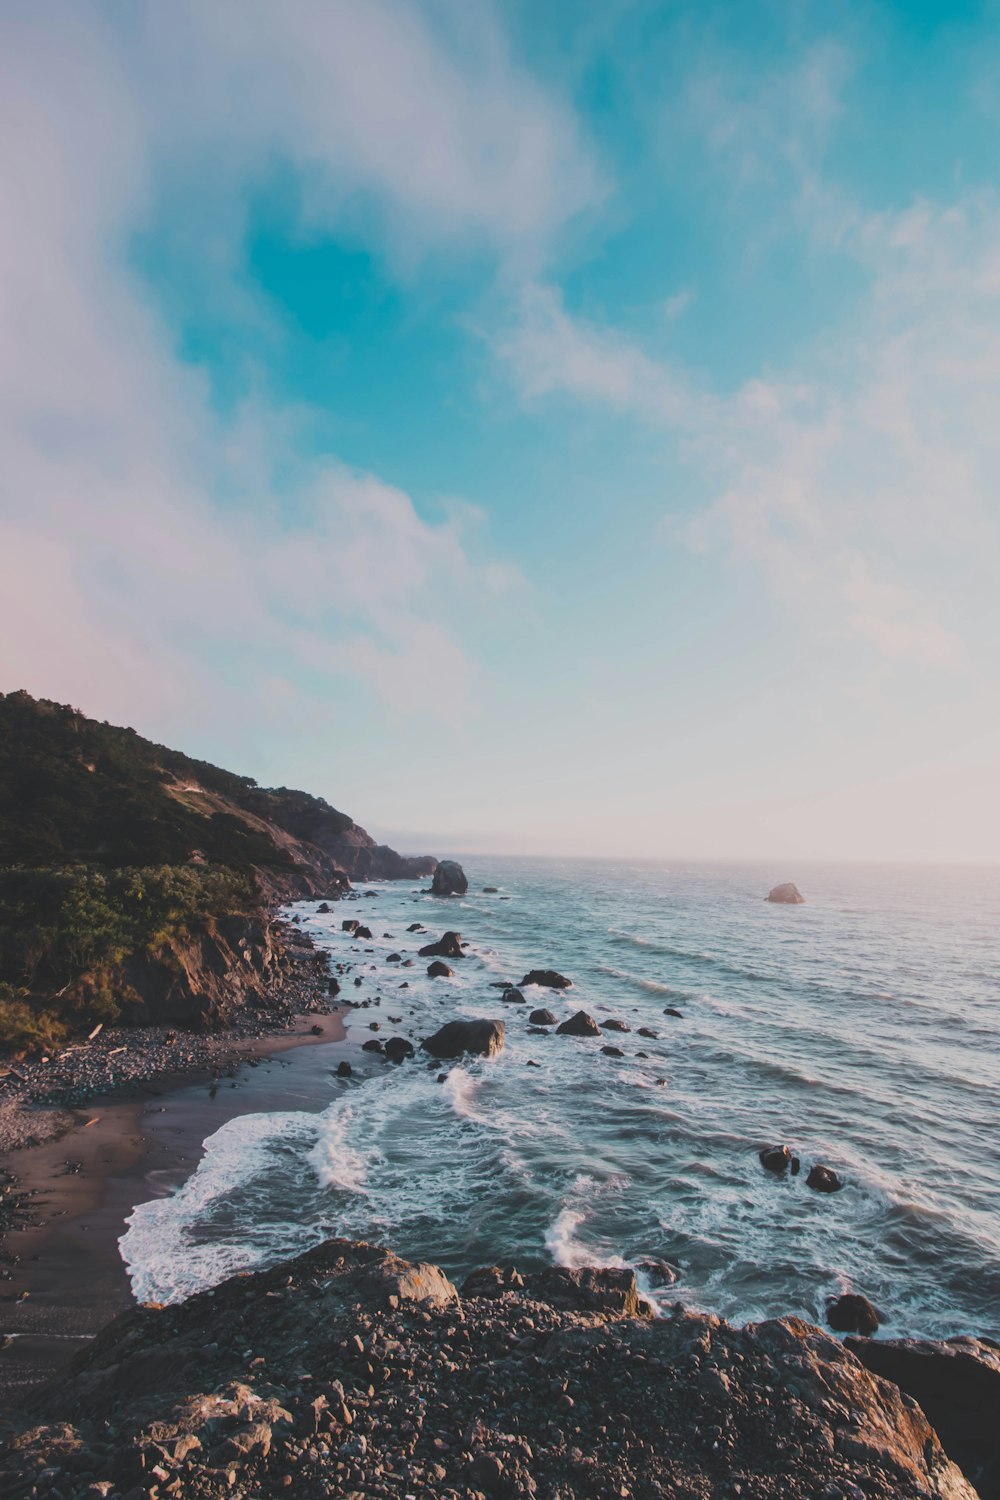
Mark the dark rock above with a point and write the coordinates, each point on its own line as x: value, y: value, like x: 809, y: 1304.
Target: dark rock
x: 614, y: 1025
x: 778, y: 1159
x: 323, y: 908
x: 513, y: 997
x: 489, y: 890
x: 660, y: 1272
x: 397, y: 1049
x: 439, y: 970
x: 957, y: 1383
x: 542, y: 1018
x: 590, y: 1289
x: 852, y: 1313
x: 548, y: 979
x: 649, y: 1034
x: 823, y: 1179
x: 349, y: 924
x: 448, y: 946
x: 394, y: 958
x: 670, y: 1011
x: 333, y: 985
x: 786, y: 895
x: 374, y: 1045
x: 484, y: 1038
x: 415, y: 927
x: 344, y: 1069
x: 363, y: 934
x: 612, y: 1052
x: 449, y: 879
x: 579, y: 1025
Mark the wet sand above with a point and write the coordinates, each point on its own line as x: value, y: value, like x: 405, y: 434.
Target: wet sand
x: 141, y: 1142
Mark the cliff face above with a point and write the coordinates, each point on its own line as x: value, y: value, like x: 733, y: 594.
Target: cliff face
x: 73, y: 790
x: 349, y: 1370
x: 124, y: 866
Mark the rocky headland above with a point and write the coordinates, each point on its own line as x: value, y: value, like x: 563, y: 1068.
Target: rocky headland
x: 350, y: 1372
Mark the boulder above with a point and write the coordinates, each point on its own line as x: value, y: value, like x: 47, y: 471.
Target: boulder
x: 579, y: 1025
x: 786, y: 895
x: 448, y: 946
x: 344, y: 1069
x: 612, y: 1052
x: 323, y: 908
x: 394, y: 958
x: 548, y: 979
x: 957, y: 1383
x: 649, y: 1034
x: 449, y: 879
x: 513, y: 997
x: 672, y: 1011
x: 614, y: 1025
x: 852, y: 1313
x: 541, y: 1018
x: 374, y: 1045
x: 489, y: 890
x: 349, y: 924
x: 415, y: 927
x: 778, y: 1159
x: 397, y: 1048
x: 823, y: 1179
x: 333, y: 985
x: 483, y: 1038
x: 364, y: 934
x: 439, y: 970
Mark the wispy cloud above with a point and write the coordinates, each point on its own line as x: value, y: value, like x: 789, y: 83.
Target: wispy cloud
x: 129, y: 582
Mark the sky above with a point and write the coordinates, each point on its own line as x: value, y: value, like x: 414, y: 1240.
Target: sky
x: 553, y: 429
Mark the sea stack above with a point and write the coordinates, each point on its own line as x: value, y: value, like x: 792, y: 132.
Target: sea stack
x: 449, y: 879
x: 785, y: 895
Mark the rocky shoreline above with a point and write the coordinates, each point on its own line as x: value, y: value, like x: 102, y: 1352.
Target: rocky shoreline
x: 350, y: 1372
x: 555, y: 1383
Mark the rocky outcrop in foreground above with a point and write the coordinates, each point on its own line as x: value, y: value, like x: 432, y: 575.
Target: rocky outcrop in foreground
x: 350, y: 1372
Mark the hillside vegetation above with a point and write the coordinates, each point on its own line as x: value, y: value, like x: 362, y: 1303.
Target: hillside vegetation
x: 114, y: 849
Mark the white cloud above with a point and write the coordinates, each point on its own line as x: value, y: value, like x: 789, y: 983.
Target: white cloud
x: 127, y: 585
x: 863, y: 482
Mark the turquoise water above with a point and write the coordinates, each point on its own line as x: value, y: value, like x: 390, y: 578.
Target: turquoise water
x: 862, y: 1028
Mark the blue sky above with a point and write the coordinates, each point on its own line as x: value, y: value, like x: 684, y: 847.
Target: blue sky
x: 548, y: 428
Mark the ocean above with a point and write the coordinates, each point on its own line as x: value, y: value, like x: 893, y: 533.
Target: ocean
x: 862, y: 1029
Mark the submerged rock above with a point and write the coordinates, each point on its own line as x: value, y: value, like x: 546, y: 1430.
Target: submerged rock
x: 786, y: 895
x: 483, y: 1038
x: 397, y: 1049
x: 548, y: 979
x: 449, y: 879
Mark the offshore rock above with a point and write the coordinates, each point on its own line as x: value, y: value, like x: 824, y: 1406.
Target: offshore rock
x: 448, y: 946
x: 439, y: 970
x: 852, y: 1313
x: 483, y: 1038
x: 541, y: 1018
x: 449, y: 879
x: 579, y: 1025
x: 548, y: 979
x: 823, y: 1179
x: 350, y: 1370
x: 786, y: 895
x: 778, y: 1159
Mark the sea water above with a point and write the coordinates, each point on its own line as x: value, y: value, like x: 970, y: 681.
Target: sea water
x: 862, y: 1028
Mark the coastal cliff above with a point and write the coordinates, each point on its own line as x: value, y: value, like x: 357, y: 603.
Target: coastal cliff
x: 136, y: 882
x: 349, y: 1371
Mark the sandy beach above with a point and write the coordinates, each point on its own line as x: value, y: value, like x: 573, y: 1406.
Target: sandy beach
x: 139, y: 1142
